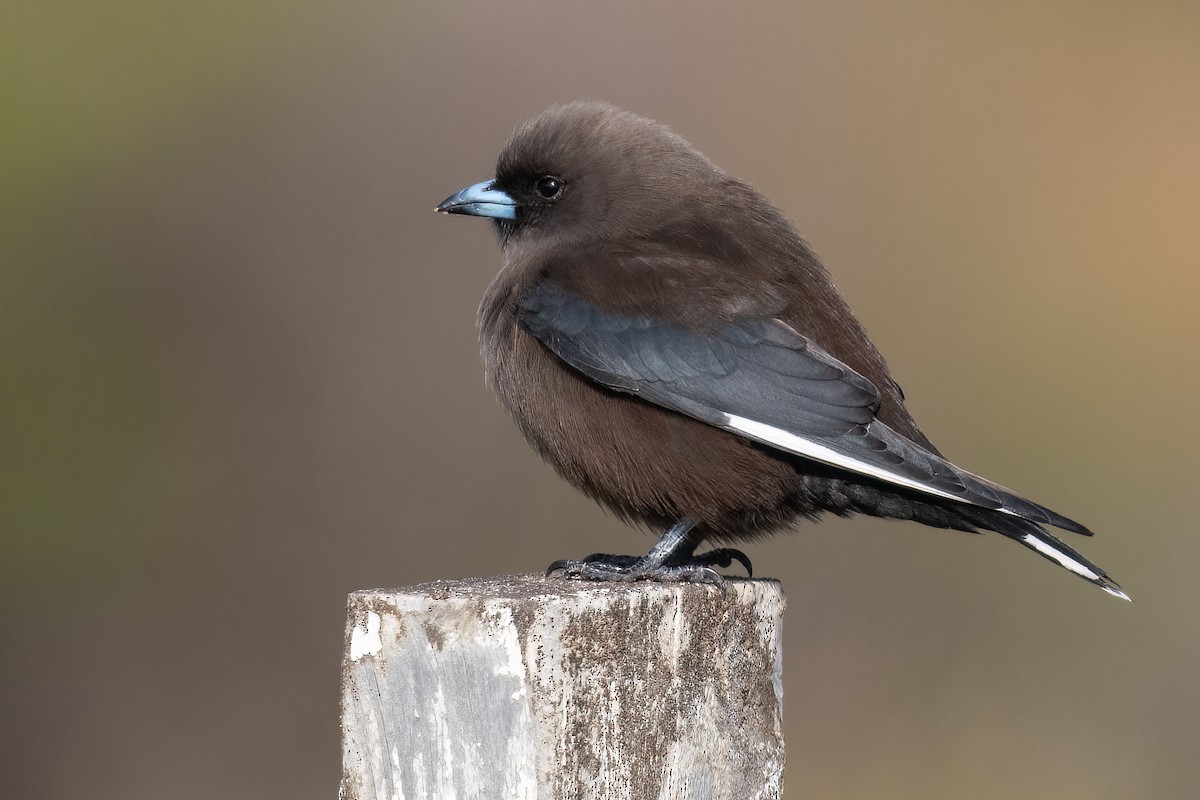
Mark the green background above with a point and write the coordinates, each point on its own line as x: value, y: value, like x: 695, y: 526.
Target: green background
x: 239, y: 379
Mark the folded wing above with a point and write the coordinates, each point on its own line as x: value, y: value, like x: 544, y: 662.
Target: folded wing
x: 759, y: 379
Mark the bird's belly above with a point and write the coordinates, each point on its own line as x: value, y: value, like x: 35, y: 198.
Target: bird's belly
x: 643, y: 462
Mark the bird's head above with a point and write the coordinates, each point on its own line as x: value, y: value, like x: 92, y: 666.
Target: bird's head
x: 588, y: 170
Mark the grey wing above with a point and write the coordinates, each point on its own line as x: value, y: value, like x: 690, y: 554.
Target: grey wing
x: 761, y: 380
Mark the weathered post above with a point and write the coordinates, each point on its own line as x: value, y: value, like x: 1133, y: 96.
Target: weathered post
x: 528, y: 687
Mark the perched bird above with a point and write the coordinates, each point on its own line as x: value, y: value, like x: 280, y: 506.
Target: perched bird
x: 670, y: 344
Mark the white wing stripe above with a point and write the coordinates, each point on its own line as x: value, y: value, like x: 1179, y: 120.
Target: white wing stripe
x: 769, y: 434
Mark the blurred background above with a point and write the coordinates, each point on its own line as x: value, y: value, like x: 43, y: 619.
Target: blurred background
x: 239, y: 378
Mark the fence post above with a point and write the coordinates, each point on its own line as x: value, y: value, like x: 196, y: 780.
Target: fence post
x: 527, y: 687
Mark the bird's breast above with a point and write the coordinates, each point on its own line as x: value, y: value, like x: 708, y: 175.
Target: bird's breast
x: 641, y: 461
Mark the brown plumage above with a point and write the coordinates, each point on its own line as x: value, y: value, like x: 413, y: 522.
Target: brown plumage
x: 667, y: 341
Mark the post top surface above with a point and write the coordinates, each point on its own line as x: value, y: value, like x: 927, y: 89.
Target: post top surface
x: 525, y: 587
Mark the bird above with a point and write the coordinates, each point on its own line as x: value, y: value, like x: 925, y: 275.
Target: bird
x: 665, y: 338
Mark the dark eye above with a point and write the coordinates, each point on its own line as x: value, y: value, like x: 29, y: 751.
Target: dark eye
x: 549, y: 187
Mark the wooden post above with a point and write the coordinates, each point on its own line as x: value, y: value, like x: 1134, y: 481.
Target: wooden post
x: 528, y: 687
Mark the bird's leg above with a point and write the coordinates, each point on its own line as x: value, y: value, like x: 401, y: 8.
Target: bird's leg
x: 673, y: 558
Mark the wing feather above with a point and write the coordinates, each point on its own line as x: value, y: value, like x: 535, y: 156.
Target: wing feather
x: 760, y: 379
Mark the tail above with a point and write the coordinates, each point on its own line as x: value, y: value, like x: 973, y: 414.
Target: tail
x: 1047, y: 545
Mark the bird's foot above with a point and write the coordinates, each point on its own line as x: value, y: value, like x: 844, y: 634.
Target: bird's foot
x: 618, y: 568
x: 697, y: 568
x: 672, y: 559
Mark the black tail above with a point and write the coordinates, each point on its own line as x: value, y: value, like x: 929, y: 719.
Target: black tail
x: 1047, y: 545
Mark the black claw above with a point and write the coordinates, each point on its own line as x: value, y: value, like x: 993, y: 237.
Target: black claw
x: 724, y: 557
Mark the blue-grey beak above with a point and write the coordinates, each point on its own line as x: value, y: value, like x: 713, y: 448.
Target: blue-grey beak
x: 480, y: 200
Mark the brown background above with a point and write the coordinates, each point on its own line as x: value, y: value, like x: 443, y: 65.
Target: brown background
x: 239, y: 372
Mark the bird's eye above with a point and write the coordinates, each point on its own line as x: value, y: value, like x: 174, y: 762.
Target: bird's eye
x: 549, y: 187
